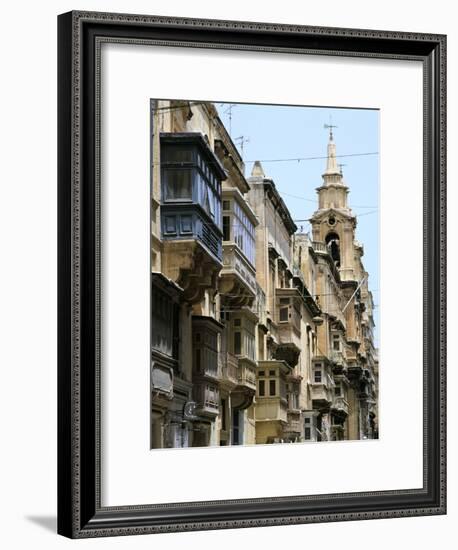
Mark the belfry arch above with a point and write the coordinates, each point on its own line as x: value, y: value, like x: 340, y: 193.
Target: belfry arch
x: 333, y: 243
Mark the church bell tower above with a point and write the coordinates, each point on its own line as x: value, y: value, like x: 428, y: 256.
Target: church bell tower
x: 333, y: 223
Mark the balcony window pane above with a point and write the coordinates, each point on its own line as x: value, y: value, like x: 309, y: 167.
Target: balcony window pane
x: 176, y: 331
x: 178, y: 155
x: 296, y: 317
x: 223, y: 414
x: 236, y: 427
x: 243, y: 231
x: 336, y: 343
x: 237, y: 343
x: 212, y: 203
x: 249, y: 343
x: 178, y: 184
x: 226, y: 228
x: 262, y: 389
x: 272, y: 387
x: 164, y: 331
x: 283, y: 314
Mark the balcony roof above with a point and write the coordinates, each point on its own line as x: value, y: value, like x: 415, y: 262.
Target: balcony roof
x: 242, y: 202
x: 304, y: 296
x: 197, y: 139
x: 265, y: 364
x: 166, y: 284
x: 207, y: 320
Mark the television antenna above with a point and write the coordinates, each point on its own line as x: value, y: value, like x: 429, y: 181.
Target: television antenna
x: 229, y: 109
x: 241, y: 140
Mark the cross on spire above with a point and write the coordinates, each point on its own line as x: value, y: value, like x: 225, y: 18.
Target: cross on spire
x: 330, y: 126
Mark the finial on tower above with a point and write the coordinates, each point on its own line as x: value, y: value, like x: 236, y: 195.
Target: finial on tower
x: 257, y: 171
x: 330, y: 126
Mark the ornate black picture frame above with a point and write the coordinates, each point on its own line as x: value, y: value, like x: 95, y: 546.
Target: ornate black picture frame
x: 80, y: 513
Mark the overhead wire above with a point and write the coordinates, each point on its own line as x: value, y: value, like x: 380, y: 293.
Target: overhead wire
x: 293, y: 159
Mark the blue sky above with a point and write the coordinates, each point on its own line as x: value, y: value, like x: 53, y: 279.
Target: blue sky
x: 284, y: 132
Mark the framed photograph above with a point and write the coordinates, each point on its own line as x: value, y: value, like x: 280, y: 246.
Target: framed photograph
x: 251, y: 274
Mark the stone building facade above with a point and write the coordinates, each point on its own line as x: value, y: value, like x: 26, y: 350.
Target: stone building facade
x: 259, y: 334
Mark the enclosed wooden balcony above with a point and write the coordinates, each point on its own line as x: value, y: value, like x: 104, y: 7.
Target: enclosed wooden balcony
x: 238, y: 377
x: 206, y: 396
x: 322, y: 385
x: 161, y: 380
x: 206, y: 371
x: 338, y: 359
x: 288, y: 320
x: 271, y: 398
x: 237, y: 278
x: 321, y: 395
x: 205, y: 334
x: 229, y: 370
x: 165, y: 304
x: 247, y: 373
x: 190, y: 208
x: 340, y: 406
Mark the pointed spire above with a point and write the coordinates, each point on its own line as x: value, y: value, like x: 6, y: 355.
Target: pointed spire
x: 333, y: 192
x: 333, y: 172
x: 257, y: 171
x: 331, y: 163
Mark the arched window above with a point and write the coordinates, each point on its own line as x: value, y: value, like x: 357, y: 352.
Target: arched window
x: 333, y: 243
